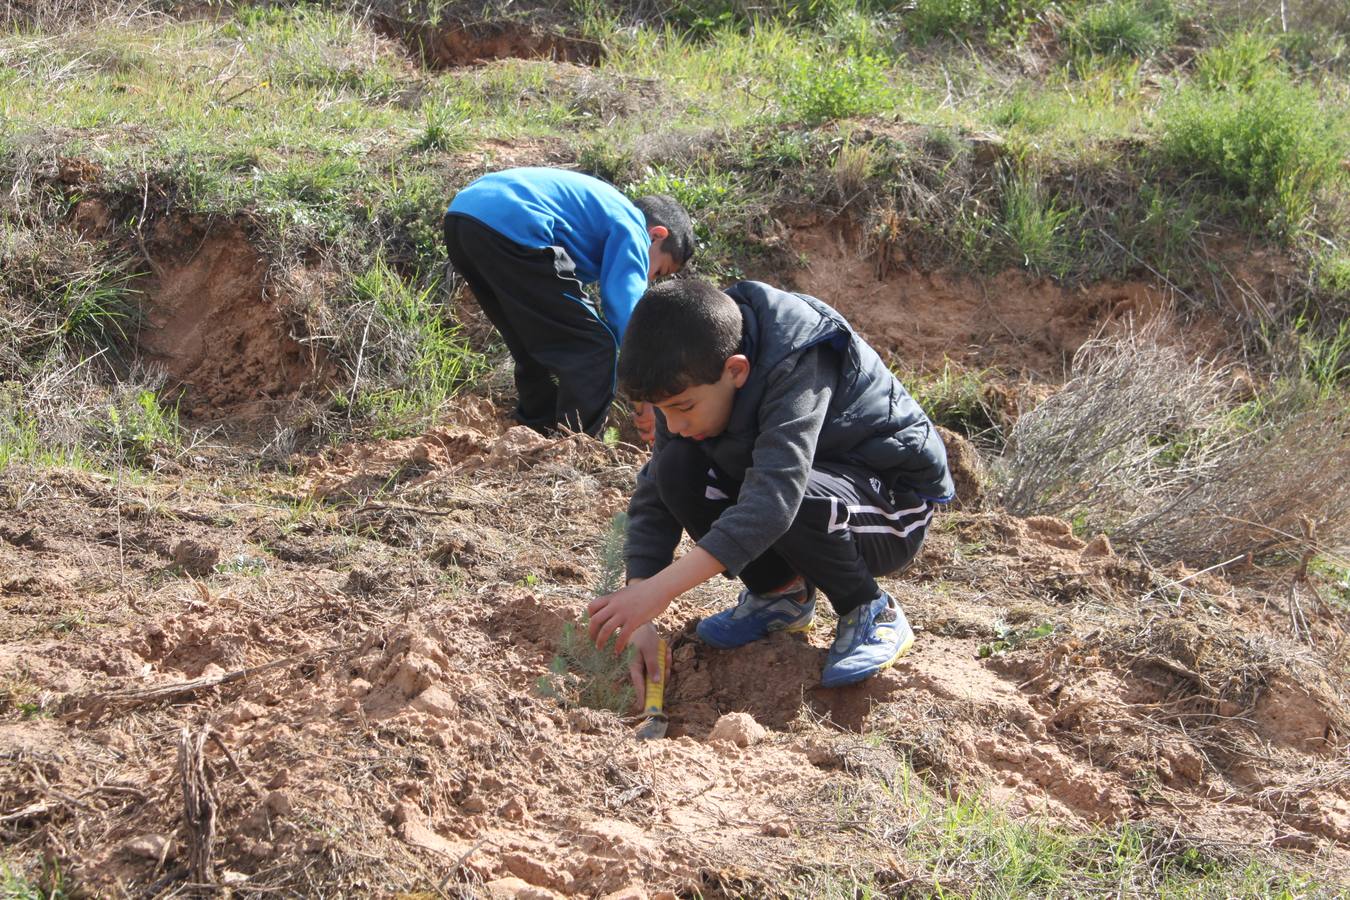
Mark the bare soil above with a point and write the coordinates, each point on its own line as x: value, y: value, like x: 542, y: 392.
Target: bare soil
x: 355, y: 647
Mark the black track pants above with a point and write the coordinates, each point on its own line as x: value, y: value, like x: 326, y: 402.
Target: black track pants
x: 565, y: 355
x: 850, y: 528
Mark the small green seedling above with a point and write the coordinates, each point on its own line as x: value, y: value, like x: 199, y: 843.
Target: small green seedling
x: 1007, y: 638
x: 582, y: 674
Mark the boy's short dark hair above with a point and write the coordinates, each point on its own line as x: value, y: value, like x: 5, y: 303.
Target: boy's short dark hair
x: 666, y: 211
x: 681, y: 334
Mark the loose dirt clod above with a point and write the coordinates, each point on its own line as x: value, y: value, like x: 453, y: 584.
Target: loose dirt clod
x: 740, y: 729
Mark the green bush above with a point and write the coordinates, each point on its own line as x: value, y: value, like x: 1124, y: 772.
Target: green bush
x: 406, y: 358
x: 582, y: 674
x: 1331, y: 276
x: 973, y: 19
x: 136, y: 425
x: 1239, y: 63
x: 820, y: 87
x: 1034, y: 227
x: 1133, y: 28
x: 1273, y: 146
x: 955, y: 399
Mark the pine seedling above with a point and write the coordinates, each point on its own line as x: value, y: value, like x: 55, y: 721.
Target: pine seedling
x: 580, y: 674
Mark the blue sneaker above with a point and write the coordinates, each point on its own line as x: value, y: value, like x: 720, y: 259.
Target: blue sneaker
x: 869, y: 639
x: 756, y: 615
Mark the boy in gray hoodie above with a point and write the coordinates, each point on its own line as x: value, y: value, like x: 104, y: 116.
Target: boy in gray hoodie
x: 793, y: 458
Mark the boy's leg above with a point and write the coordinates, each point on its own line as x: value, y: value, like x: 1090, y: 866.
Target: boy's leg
x: 849, y: 529
x: 696, y: 493
x: 536, y: 394
x: 552, y: 323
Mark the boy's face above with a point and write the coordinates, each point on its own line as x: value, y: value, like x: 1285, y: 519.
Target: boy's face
x: 703, y: 410
x: 660, y: 262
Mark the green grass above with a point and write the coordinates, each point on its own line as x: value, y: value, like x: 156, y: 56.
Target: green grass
x: 1035, y: 227
x: 15, y: 885
x: 1122, y: 28
x: 973, y: 20
x: 955, y: 399
x: 963, y: 846
x: 409, y: 359
x: 138, y: 425
x: 1272, y: 145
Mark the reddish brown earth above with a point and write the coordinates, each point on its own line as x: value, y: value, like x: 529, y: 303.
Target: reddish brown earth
x: 401, y: 740
x: 465, y: 43
x: 359, y: 643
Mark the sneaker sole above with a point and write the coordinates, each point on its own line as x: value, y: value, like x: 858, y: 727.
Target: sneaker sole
x: 792, y: 629
x: 900, y: 651
x: 904, y: 648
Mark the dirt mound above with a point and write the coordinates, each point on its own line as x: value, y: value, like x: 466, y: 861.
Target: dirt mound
x: 466, y: 43
x: 215, y: 325
x: 367, y: 677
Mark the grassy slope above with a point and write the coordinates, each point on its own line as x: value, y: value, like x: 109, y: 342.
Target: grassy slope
x: 326, y: 138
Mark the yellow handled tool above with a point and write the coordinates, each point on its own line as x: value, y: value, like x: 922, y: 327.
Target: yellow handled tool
x: 654, y: 722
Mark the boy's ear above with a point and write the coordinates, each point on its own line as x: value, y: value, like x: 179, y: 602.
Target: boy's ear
x: 738, y: 367
x: 658, y: 232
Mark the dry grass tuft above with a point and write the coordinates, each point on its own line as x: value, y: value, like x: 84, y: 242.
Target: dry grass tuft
x: 1144, y: 444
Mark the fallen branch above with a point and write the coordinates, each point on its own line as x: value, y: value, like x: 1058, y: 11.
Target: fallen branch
x: 199, y: 803
x: 129, y: 697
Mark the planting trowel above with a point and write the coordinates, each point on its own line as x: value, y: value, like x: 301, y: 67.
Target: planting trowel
x: 654, y: 719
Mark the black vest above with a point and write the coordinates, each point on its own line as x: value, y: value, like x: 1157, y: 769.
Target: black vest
x: 872, y: 422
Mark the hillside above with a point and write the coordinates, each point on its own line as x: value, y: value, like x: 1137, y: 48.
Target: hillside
x: 285, y: 601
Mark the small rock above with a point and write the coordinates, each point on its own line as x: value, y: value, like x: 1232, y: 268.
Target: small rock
x: 241, y: 712
x: 1097, y: 548
x: 513, y: 888
x: 229, y: 876
x: 435, y: 702
x: 147, y: 846
x: 586, y: 721
x: 739, y: 728
x: 278, y: 803
x: 514, y: 810
x: 776, y: 829
x: 633, y: 891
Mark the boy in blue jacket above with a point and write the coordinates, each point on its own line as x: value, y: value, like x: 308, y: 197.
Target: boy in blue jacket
x: 526, y: 241
x: 793, y: 458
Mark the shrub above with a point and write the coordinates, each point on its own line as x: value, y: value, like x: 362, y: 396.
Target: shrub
x: 1273, y: 145
x: 973, y: 19
x: 822, y: 86
x: 1133, y: 28
x: 1239, y: 63
x: 404, y: 357
x: 136, y: 425
x: 1034, y: 227
x: 955, y: 399
x: 1140, y: 443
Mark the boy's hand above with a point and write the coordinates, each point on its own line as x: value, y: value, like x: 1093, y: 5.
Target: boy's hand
x: 625, y: 611
x: 645, y: 665
x: 644, y: 417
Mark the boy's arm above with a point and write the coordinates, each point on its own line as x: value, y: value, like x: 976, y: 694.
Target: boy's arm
x: 623, y: 274
x: 796, y: 401
x: 653, y: 533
